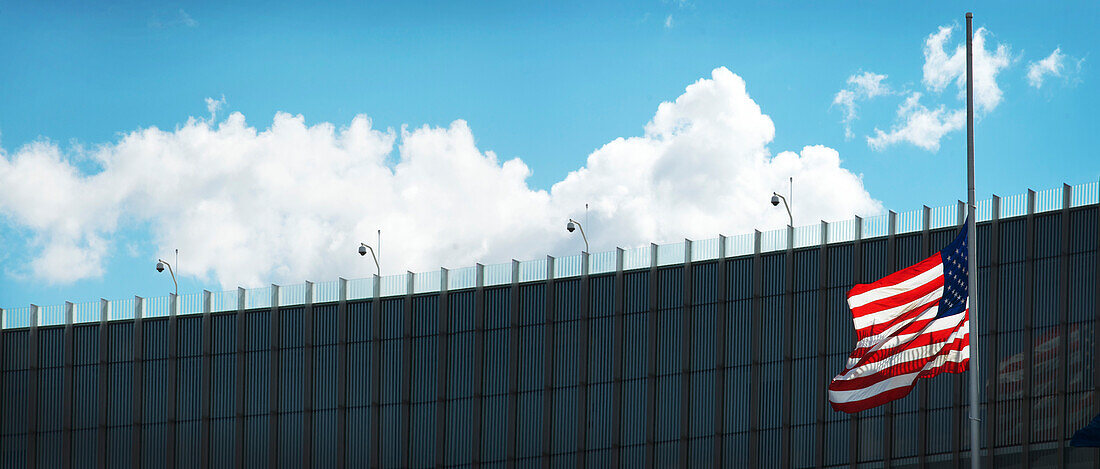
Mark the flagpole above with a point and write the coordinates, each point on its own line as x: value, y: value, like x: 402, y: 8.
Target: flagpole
x: 972, y: 255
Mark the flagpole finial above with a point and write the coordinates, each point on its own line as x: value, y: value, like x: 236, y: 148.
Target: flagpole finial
x: 969, y: 15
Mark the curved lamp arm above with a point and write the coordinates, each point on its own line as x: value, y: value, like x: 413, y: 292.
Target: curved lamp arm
x: 788, y: 207
x: 585, y: 238
x: 170, y: 271
x: 373, y: 256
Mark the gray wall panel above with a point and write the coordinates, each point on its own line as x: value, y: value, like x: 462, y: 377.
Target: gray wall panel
x: 1061, y: 277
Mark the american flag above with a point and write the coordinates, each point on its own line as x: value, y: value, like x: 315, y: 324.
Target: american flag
x: 911, y: 324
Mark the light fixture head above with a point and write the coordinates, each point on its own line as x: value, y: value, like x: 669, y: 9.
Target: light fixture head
x: 775, y: 200
x: 160, y: 267
x: 362, y: 250
x: 570, y: 227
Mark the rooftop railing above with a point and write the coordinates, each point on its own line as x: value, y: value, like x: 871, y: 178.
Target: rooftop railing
x: 536, y: 270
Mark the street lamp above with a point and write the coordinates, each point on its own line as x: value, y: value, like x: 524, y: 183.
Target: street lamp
x: 160, y: 268
x: 363, y: 248
x: 573, y: 225
x: 775, y: 202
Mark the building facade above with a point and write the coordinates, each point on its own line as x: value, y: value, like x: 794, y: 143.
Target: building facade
x: 717, y: 360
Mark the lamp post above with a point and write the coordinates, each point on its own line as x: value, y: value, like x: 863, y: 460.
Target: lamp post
x: 775, y: 202
x: 160, y: 268
x: 363, y: 248
x: 572, y: 225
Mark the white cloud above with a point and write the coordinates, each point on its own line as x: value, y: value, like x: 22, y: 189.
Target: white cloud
x: 179, y: 18
x: 940, y: 69
x: 861, y: 86
x: 213, y: 106
x: 186, y: 19
x: 250, y: 206
x: 73, y: 248
x: 1053, y: 65
x: 668, y: 21
x: 919, y: 125
x: 925, y: 127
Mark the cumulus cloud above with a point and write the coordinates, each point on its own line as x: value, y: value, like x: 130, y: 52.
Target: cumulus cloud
x: 919, y: 125
x: 249, y: 206
x: 940, y: 68
x: 861, y: 86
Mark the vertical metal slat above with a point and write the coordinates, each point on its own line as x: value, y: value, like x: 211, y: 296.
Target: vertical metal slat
x: 1029, y: 319
x: 548, y: 355
x: 685, y: 360
x: 582, y: 367
x: 441, y: 372
x: 1063, y: 329
x: 2, y: 367
x: 67, y: 395
x: 651, y: 376
x: 207, y: 378
x: 32, y: 390
x: 720, y: 358
x: 994, y: 308
x: 342, y: 376
x: 479, y: 365
x: 756, y: 325
x: 617, y: 363
x: 513, y: 368
x: 788, y: 351
x: 173, y: 377
x: 104, y: 343
x: 242, y: 338
x: 822, y: 345
x: 1096, y: 330
x: 406, y: 373
x: 307, y: 416
x: 376, y: 376
x: 139, y: 395
x: 273, y: 381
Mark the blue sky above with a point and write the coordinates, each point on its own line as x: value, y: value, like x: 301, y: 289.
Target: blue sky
x: 548, y: 83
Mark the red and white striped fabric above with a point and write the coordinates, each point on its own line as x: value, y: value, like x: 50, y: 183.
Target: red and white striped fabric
x: 911, y: 324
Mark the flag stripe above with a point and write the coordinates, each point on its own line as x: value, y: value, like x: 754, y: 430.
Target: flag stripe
x: 853, y: 406
x: 878, y: 304
x: 895, y: 357
x: 930, y: 365
x: 887, y: 370
x: 914, y: 311
x: 913, y: 276
x: 871, y: 343
x: 924, y: 331
x: 891, y: 303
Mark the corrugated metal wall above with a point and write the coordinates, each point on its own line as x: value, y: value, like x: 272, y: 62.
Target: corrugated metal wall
x: 717, y: 363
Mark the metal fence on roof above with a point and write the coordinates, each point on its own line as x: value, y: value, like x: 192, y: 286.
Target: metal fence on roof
x: 637, y: 258
x: 601, y: 262
x: 705, y: 249
x: 538, y: 269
